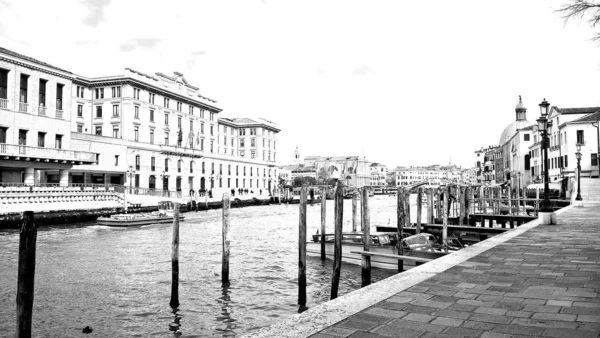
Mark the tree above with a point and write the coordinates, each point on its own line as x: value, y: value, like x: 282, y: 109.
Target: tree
x: 579, y: 9
x: 304, y: 180
x: 323, y: 176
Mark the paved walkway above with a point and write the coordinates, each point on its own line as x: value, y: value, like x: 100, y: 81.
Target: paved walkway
x: 544, y: 283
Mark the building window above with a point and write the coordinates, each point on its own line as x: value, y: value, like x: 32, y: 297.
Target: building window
x: 202, y: 128
x: 212, y: 116
x: 99, y: 93
x: 179, y: 166
x: 252, y: 142
x: 97, y: 159
x: 115, y: 132
x: 179, y: 105
x: 191, y: 167
x: 241, y: 142
x: 179, y: 122
x: 212, y: 168
x: 211, y: 130
x: 152, y: 136
x: 136, y: 133
x: 220, y: 169
x: 203, y: 167
x: 191, y: 108
x: 151, y: 98
x: 211, y: 146
x: 59, y: 96
x: 252, y: 131
x: 23, y: 91
x: 252, y: 154
x: 166, y: 164
x: 166, y: 102
x: 41, y: 139
x: 58, y: 142
x: 42, y: 92
x: 201, y: 144
x: 80, y: 128
x: 115, y: 110
x: 136, y: 112
x: 137, y: 162
x: 594, y: 159
x: 4, y: 85
x: 98, y: 130
x: 136, y: 93
x: 151, y: 115
x: 98, y: 111
x: 116, y: 91
x: 80, y: 91
x: 166, y: 119
x: 80, y: 110
x: 166, y: 139
x: 242, y: 132
x: 580, y: 139
x: 116, y: 160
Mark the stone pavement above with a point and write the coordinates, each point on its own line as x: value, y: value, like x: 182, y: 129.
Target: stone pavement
x: 544, y: 283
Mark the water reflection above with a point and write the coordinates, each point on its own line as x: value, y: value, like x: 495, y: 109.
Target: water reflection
x: 226, y: 310
x: 175, y: 325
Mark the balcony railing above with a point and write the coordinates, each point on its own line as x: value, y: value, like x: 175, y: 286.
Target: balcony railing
x: 3, y: 104
x: 42, y: 111
x: 27, y: 152
x: 23, y: 107
x: 59, y: 114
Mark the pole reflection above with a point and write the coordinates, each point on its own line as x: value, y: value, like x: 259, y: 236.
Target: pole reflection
x: 225, y: 319
x: 175, y: 326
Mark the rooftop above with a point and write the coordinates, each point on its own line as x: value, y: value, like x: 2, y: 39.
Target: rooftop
x: 30, y: 59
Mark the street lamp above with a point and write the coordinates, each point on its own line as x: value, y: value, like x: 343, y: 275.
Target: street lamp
x: 546, y: 213
x: 130, y: 174
x: 578, y: 155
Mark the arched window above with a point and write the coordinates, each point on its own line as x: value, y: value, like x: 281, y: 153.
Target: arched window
x: 191, y: 167
x: 179, y: 166
x: 152, y: 182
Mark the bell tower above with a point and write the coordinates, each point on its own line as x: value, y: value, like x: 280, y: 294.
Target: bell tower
x: 296, y: 156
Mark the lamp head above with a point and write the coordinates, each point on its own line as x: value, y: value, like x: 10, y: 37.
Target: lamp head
x: 578, y: 146
x: 544, y: 108
x: 542, y: 124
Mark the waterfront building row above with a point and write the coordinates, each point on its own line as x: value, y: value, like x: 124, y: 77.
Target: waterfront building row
x: 151, y: 131
x: 518, y: 157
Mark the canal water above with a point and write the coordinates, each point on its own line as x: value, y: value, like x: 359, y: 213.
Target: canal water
x: 118, y: 280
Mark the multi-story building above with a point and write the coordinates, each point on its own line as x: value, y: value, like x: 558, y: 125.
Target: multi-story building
x: 379, y: 174
x: 434, y: 175
x: 35, y: 119
x: 354, y: 170
x: 152, y: 131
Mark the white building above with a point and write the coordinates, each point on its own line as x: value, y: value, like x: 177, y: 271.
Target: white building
x: 149, y: 131
x: 354, y: 170
x: 379, y: 173
x: 35, y: 119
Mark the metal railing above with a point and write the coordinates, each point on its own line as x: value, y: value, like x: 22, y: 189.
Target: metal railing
x: 46, y: 153
x: 23, y: 107
x: 59, y: 114
x: 3, y: 103
x: 42, y: 110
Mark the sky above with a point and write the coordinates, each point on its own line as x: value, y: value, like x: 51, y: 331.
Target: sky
x: 400, y: 82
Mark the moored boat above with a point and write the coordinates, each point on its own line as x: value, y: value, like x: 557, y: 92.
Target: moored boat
x: 163, y: 215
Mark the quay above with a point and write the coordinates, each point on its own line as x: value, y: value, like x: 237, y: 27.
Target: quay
x: 534, y: 280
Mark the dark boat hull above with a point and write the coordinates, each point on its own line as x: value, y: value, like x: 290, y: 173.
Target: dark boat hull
x: 115, y: 222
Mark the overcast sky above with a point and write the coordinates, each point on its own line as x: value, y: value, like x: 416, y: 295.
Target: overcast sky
x: 402, y: 82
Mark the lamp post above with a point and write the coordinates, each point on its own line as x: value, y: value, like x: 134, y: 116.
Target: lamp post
x: 130, y: 174
x: 546, y: 213
x: 165, y: 177
x: 578, y: 199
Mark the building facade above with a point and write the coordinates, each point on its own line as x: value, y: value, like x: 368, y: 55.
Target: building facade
x: 155, y: 132
x: 354, y: 170
x: 35, y: 119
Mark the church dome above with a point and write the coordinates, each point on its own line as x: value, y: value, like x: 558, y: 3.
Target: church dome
x: 520, y: 122
x: 511, y: 130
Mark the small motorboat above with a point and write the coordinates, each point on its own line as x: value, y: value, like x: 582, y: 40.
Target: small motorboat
x: 163, y: 215
x: 424, y: 245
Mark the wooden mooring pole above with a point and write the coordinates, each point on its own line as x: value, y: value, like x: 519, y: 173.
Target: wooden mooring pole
x: 461, y: 206
x: 366, y: 222
x: 355, y: 219
x: 337, y: 251
x: 226, y: 242
x: 26, y: 275
x: 175, y: 259
x: 430, y: 197
x: 302, y: 251
x: 323, y: 219
x: 407, y: 208
x: 445, y: 200
x: 401, y: 219
x: 419, y: 209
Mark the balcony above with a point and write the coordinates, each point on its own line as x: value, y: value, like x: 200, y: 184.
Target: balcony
x: 42, y: 110
x: 59, y: 114
x: 28, y: 153
x: 3, y: 104
x: 23, y: 107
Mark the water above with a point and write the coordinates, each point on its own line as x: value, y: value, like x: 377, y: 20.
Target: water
x: 118, y: 280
